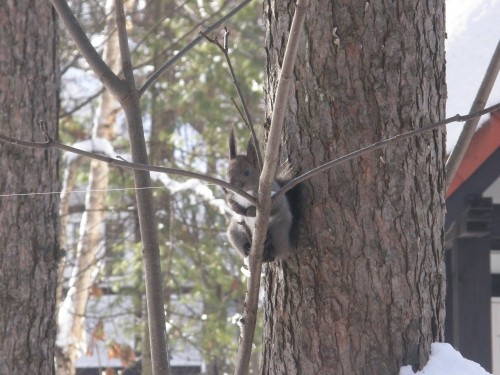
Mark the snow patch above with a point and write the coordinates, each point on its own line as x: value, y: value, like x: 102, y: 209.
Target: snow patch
x: 445, y: 360
x: 195, y: 185
x: 96, y: 145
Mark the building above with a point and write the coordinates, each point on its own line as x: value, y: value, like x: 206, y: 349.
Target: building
x: 473, y: 250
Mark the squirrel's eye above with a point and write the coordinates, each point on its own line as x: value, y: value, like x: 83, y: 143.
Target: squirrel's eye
x: 246, y: 173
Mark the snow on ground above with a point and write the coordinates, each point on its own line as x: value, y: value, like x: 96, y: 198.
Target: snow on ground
x: 445, y: 360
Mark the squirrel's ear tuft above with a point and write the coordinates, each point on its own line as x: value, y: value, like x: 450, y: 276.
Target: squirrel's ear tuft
x: 232, y: 145
x: 252, y: 153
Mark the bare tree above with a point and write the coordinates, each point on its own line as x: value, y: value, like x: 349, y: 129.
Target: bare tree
x: 28, y: 224
x: 127, y: 94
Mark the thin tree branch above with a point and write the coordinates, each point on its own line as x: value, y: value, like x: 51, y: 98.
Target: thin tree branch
x: 81, y: 104
x: 51, y: 143
x: 154, y: 77
x: 120, y: 162
x: 379, y: 145
x: 137, y: 46
x: 145, y: 207
x: 123, y: 42
x: 177, y: 41
x: 242, y: 115
x: 225, y: 51
x: 153, y: 29
x: 102, y: 71
x: 265, y: 188
x: 71, y: 63
x: 469, y: 128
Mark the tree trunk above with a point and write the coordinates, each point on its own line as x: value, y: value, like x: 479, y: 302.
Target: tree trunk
x: 29, y: 248
x: 365, y: 292
x: 92, y: 232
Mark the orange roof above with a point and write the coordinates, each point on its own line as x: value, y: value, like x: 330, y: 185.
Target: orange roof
x: 485, y: 142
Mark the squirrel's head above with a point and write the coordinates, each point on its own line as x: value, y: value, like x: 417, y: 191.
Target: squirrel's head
x: 243, y: 171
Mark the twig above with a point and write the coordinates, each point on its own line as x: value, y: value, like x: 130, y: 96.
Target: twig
x: 154, y: 77
x: 379, y: 145
x: 81, y: 104
x: 224, y: 48
x: 469, y: 128
x: 102, y: 71
x: 120, y: 162
x: 174, y: 44
x: 265, y: 187
x: 153, y: 29
x: 240, y: 112
x: 147, y: 221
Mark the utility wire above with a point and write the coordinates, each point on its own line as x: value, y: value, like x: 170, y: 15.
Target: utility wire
x: 7, y: 195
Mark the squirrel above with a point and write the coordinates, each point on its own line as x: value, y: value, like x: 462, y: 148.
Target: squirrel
x: 243, y: 172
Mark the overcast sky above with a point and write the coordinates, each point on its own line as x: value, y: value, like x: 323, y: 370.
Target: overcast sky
x: 473, y: 28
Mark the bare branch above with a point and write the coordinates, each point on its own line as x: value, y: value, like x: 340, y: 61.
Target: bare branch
x: 469, y: 128
x: 173, y: 45
x: 123, y: 41
x: 101, y: 70
x: 156, y: 75
x: 265, y: 187
x: 224, y: 49
x: 81, y: 104
x: 379, y: 145
x: 144, y: 199
x: 137, y: 46
x: 242, y: 115
x: 18, y: 142
x: 120, y: 162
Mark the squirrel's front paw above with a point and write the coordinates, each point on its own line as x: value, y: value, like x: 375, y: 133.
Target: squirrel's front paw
x: 246, y: 249
x: 251, y: 211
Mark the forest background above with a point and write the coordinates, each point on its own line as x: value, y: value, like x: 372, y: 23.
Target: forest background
x: 188, y: 115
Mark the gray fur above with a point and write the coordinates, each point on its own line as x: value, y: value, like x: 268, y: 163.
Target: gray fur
x: 243, y: 172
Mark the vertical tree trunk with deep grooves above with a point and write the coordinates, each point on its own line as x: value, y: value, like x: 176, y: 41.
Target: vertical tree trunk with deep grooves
x: 365, y: 293
x: 28, y: 224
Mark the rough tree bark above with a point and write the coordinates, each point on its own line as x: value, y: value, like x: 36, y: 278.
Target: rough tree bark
x: 29, y: 248
x: 365, y: 292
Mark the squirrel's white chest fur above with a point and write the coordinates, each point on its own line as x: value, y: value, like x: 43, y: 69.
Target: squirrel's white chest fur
x: 243, y: 202
x: 249, y: 220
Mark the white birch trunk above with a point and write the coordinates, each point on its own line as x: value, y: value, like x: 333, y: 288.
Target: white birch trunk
x: 92, y: 227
